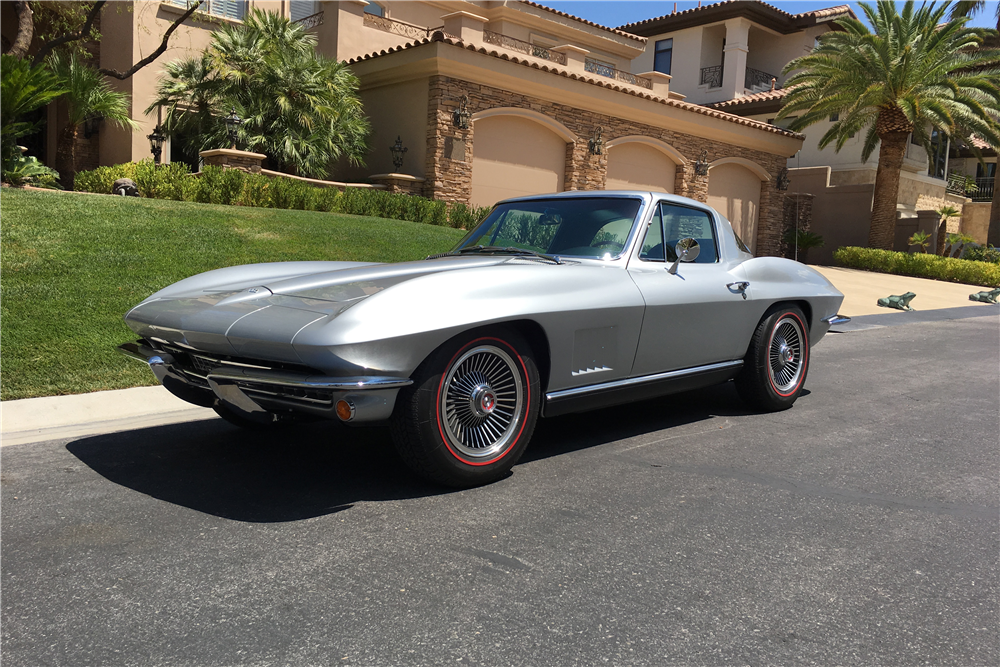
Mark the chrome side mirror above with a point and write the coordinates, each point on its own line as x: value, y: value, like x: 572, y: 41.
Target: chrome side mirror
x: 687, y: 251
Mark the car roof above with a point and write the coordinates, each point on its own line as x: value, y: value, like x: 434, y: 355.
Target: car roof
x: 582, y: 194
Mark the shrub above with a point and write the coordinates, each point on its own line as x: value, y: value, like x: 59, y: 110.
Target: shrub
x: 256, y: 191
x: 328, y: 200
x: 950, y: 269
x: 291, y: 194
x: 219, y: 186
x: 101, y: 179
x: 978, y: 253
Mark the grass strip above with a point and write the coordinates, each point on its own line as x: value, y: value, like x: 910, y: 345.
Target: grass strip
x: 71, y: 265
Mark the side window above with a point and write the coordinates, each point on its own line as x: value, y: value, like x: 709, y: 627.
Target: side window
x: 652, y: 245
x: 681, y: 222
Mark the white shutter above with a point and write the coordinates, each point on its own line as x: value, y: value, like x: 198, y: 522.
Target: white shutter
x: 302, y: 8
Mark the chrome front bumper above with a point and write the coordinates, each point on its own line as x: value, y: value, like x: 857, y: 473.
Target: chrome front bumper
x: 259, y: 392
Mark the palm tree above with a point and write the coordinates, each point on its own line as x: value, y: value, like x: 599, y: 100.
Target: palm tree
x: 298, y: 108
x: 945, y: 212
x: 23, y: 89
x: 913, y: 73
x: 970, y: 8
x: 88, y: 94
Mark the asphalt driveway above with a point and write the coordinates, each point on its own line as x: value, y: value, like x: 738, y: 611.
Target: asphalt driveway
x: 858, y: 528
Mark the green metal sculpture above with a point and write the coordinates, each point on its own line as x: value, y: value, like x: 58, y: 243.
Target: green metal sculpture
x: 898, y: 301
x: 987, y: 296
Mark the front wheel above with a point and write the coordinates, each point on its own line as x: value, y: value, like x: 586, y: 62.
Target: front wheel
x: 471, y: 410
x: 776, y: 363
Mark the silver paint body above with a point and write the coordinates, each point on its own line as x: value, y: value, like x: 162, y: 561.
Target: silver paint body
x: 603, y: 320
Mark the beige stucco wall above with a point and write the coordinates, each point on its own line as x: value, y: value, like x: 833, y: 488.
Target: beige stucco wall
x: 398, y: 110
x: 131, y: 31
x: 734, y: 191
x: 515, y: 156
x: 636, y: 166
x: 841, y: 214
x: 976, y: 220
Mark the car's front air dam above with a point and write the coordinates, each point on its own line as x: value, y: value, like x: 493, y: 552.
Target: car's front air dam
x: 259, y: 393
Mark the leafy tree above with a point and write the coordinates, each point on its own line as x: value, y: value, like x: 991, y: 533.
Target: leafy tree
x: 23, y: 89
x: 298, y: 108
x: 914, y: 72
x: 87, y: 94
x: 971, y: 8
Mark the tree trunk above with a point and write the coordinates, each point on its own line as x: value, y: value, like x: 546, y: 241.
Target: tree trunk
x: 25, y: 30
x: 890, y: 161
x: 66, y: 156
x: 942, y: 234
x: 993, y: 235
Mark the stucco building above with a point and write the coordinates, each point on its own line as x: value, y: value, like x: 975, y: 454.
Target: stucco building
x: 553, y: 102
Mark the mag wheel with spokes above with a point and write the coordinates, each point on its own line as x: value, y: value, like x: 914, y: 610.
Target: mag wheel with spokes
x: 777, y: 360
x: 471, y: 410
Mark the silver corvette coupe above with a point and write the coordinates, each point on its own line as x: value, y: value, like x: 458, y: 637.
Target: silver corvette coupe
x: 553, y: 304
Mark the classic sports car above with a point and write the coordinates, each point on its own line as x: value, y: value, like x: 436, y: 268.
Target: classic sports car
x: 553, y: 304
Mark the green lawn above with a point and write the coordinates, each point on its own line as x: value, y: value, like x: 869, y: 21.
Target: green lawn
x: 71, y: 265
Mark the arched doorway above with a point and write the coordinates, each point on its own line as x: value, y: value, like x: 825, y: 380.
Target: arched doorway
x: 515, y: 155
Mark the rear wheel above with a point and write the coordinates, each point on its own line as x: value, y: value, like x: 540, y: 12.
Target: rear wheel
x: 471, y: 410
x: 775, y: 367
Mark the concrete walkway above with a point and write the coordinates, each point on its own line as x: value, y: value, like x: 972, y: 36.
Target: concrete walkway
x: 54, y: 417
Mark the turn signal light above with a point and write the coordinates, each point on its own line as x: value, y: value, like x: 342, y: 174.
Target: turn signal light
x: 345, y: 410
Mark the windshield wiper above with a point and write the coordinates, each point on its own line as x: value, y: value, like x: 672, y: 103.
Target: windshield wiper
x: 496, y: 250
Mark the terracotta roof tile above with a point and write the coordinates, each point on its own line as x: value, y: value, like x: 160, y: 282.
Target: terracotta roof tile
x: 617, y: 31
x: 766, y: 96
x: 597, y: 81
x: 816, y: 13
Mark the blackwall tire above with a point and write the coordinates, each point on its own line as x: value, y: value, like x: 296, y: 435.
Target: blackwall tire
x: 471, y: 410
x: 777, y: 361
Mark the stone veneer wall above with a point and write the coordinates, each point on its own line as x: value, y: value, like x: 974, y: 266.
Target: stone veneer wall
x: 449, y: 151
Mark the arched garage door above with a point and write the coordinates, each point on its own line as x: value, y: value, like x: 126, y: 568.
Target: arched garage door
x: 514, y: 157
x: 734, y: 191
x: 636, y: 166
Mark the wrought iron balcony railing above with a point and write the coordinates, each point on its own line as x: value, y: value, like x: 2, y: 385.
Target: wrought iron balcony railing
x: 755, y: 78
x: 400, y: 28
x: 599, y: 68
x: 978, y: 189
x: 312, y: 21
x: 711, y: 76
x: 521, y: 46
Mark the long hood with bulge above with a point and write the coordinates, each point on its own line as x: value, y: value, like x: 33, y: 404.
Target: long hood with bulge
x: 256, y: 310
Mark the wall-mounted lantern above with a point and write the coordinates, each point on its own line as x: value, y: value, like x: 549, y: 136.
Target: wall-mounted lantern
x: 701, y: 166
x: 596, y: 143
x: 461, y: 117
x: 232, y: 123
x: 783, y: 181
x: 398, y: 151
x: 156, y: 139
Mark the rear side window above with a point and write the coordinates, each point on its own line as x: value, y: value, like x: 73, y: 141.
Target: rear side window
x: 673, y: 223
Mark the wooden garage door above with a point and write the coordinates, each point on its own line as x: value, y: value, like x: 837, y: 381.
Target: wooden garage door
x: 636, y: 166
x: 514, y: 157
x: 734, y: 191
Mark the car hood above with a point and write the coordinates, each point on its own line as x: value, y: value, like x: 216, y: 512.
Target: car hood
x: 225, y: 311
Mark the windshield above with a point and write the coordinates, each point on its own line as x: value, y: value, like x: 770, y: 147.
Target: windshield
x: 575, y: 227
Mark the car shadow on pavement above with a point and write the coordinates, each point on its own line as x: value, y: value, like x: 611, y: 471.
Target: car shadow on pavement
x: 569, y: 433
x: 310, y: 470
x: 299, y: 472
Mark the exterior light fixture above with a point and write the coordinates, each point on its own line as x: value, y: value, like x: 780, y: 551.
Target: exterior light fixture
x: 398, y: 150
x: 596, y: 143
x: 783, y: 181
x: 232, y: 124
x: 461, y: 117
x: 701, y: 166
x: 156, y: 139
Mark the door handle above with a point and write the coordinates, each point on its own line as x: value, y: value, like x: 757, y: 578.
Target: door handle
x: 740, y: 286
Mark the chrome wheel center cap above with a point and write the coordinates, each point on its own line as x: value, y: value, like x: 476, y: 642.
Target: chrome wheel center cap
x: 785, y: 353
x: 483, y: 400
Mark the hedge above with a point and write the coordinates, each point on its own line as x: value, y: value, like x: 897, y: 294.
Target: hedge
x: 239, y: 188
x: 920, y: 265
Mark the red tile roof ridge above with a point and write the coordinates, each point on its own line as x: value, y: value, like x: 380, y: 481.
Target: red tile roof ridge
x: 617, y: 31
x: 815, y: 13
x: 687, y: 106
x: 764, y: 96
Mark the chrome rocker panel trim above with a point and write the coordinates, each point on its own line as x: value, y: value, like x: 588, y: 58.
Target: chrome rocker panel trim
x: 639, y: 388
